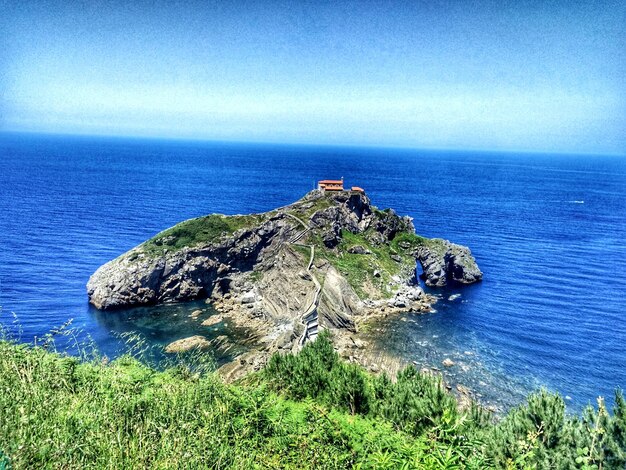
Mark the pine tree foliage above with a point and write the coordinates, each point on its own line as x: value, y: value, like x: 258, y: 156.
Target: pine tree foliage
x: 538, y: 434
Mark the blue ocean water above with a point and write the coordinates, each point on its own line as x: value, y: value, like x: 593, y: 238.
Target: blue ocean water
x: 549, y: 232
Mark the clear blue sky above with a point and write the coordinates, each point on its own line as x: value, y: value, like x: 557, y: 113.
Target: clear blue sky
x: 539, y: 76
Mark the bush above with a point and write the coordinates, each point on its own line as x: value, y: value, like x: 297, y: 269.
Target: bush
x: 413, y: 403
x: 539, y: 434
x: 348, y: 388
x: 308, y: 373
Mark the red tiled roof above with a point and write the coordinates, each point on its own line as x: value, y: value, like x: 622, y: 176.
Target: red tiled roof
x: 356, y: 188
x: 331, y: 182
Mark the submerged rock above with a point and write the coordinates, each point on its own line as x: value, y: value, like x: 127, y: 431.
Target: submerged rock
x: 188, y: 344
x: 211, y: 321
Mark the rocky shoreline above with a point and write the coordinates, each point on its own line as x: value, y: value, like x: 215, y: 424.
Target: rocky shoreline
x: 332, y: 257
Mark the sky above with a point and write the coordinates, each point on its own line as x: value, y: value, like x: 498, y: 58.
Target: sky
x: 499, y: 75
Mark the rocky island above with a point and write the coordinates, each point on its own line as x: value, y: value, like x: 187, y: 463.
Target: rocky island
x: 328, y: 261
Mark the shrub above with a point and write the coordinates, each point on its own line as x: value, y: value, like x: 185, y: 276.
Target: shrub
x: 539, y: 434
x: 413, y: 403
x: 348, y: 388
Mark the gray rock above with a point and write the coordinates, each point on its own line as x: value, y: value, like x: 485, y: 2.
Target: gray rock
x: 285, y: 341
x: 444, y: 262
x: 359, y: 250
x: 400, y: 303
x: 249, y: 297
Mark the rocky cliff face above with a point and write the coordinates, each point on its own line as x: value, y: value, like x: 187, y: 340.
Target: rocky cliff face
x: 332, y: 257
x: 143, y: 276
x: 444, y: 263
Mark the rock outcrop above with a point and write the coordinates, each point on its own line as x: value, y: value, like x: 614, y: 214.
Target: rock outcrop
x: 188, y: 344
x: 444, y: 263
x: 333, y: 257
x: 144, y: 276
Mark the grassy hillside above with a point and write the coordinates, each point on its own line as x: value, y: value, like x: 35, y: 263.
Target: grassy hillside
x: 377, y: 268
x: 198, y: 231
x: 306, y: 411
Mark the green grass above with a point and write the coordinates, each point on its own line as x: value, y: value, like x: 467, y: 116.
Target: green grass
x: 323, y: 202
x: 56, y: 412
x: 405, y: 242
x: 359, y: 269
x: 198, y: 231
x: 256, y: 276
x: 310, y: 410
x: 304, y: 251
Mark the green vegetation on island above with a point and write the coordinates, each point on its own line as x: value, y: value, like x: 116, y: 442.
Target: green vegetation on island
x: 198, y: 231
x: 310, y: 410
x: 384, y: 260
x: 204, y: 230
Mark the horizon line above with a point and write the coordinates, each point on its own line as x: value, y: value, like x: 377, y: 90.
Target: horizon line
x: 346, y: 145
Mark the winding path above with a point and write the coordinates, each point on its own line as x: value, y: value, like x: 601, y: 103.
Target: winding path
x: 309, y: 318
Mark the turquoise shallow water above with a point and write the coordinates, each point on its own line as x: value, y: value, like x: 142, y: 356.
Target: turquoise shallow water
x: 549, y: 231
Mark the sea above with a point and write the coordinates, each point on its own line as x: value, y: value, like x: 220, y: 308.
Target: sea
x: 548, y: 231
